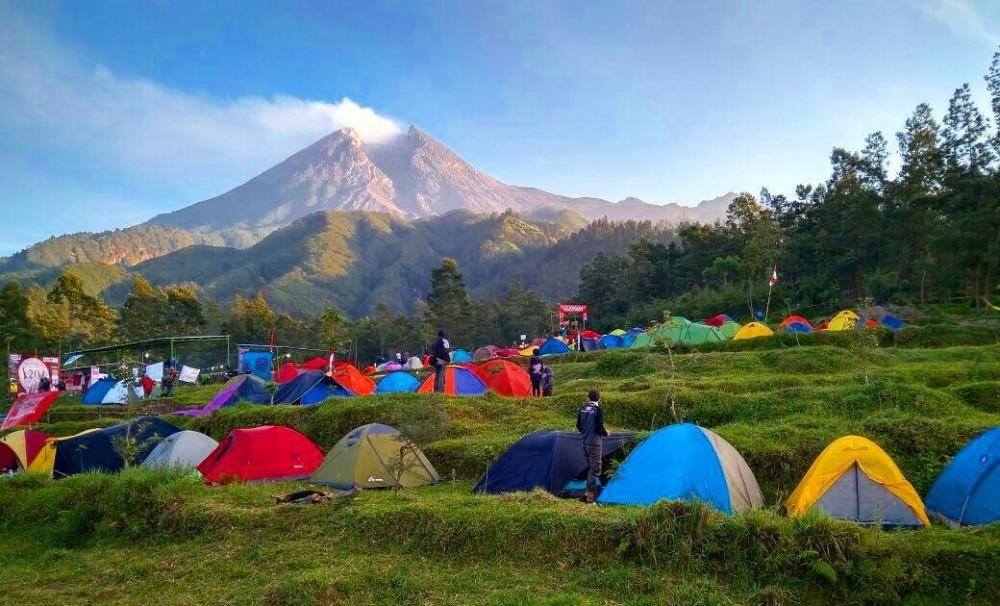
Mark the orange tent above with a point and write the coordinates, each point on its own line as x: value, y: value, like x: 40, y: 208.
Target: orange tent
x: 353, y: 379
x: 505, y: 378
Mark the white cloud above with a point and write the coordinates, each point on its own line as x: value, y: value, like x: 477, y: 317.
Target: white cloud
x: 963, y: 18
x: 52, y: 98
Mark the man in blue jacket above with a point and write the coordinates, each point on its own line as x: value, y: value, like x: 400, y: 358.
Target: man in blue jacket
x: 590, y: 424
x: 441, y: 357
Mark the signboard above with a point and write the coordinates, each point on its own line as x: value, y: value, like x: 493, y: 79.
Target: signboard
x: 571, y: 308
x: 189, y: 374
x: 28, y: 408
x: 27, y: 371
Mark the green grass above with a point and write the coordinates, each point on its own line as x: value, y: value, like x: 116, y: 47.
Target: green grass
x: 141, y: 537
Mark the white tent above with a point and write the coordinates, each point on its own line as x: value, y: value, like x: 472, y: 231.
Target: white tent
x: 413, y: 363
x: 182, y: 450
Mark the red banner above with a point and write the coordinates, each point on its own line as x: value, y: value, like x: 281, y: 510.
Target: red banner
x: 571, y: 308
x: 29, y: 408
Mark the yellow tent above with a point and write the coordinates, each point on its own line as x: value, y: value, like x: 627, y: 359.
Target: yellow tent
x: 528, y: 351
x: 855, y: 479
x: 617, y: 332
x: 752, y: 331
x: 845, y: 320
x: 45, y: 460
x: 25, y: 444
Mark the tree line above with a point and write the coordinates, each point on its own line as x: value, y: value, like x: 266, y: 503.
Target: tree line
x: 928, y: 233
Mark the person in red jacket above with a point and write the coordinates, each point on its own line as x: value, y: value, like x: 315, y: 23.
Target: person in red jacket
x: 147, y: 386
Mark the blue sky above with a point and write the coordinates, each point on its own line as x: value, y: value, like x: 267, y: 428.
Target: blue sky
x: 111, y: 112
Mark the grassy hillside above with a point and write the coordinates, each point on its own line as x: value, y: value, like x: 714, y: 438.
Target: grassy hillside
x: 139, y: 537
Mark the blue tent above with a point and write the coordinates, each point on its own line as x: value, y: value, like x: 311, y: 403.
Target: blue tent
x: 628, y: 339
x: 611, y: 342
x: 892, y: 322
x: 587, y: 344
x: 968, y: 491
x: 544, y: 459
x: 95, y: 394
x: 685, y: 462
x: 310, y: 387
x: 460, y: 355
x: 397, y: 382
x: 99, y: 450
x: 258, y: 362
x: 797, y: 327
x: 552, y: 346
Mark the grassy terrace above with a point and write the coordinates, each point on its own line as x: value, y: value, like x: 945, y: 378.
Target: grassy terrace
x: 143, y: 537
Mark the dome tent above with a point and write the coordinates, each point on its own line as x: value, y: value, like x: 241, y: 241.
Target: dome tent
x: 853, y: 479
x: 241, y: 388
x: 458, y: 381
x: 968, y: 491
x: 371, y: 456
x: 23, y: 446
x: 505, y: 378
x: 752, y: 330
x: 460, y: 355
x: 685, y: 461
x: 552, y: 347
x: 182, y: 450
x: 109, y: 390
x: 397, y: 382
x: 261, y: 454
x: 98, y: 450
x: 845, y: 320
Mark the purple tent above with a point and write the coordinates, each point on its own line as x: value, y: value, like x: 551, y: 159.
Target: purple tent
x: 241, y: 387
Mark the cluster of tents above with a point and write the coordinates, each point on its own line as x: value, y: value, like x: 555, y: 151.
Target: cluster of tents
x: 851, y: 479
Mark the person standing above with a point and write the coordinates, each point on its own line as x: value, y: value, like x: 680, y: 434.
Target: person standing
x: 548, y: 381
x: 535, y: 371
x: 590, y: 424
x: 441, y: 356
x: 147, y: 386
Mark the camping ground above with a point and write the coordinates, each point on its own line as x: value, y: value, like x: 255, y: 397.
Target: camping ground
x: 921, y: 394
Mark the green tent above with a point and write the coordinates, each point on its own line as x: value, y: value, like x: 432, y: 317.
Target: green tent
x: 673, y: 330
x: 373, y: 456
x: 729, y: 329
x: 642, y: 340
x: 697, y: 334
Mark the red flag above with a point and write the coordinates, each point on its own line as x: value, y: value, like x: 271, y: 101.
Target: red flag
x: 29, y: 408
x: 774, y: 276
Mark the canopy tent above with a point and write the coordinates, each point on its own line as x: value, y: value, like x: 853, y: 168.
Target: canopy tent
x: 353, y: 380
x: 22, y: 446
x: 729, y: 329
x: 241, y: 388
x: 310, y: 387
x: 685, y: 462
x: 413, y: 363
x: 698, y: 334
x: 544, y: 459
x: 968, y: 491
x: 458, y: 381
x: 610, y: 341
x: 28, y: 409
x: 261, y: 454
x: 845, y: 320
x: 286, y: 372
x: 100, y: 449
x: 552, y: 347
x: 108, y: 390
x: 853, y: 479
x: 375, y: 456
x: 505, y: 378
x: 398, y: 382
x: 182, y: 450
x: 718, y: 320
x: 752, y: 330
x: 460, y: 355
x: 484, y: 353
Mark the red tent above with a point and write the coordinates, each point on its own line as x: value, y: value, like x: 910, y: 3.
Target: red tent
x: 266, y: 453
x: 798, y: 319
x: 29, y: 408
x: 508, y: 353
x: 315, y: 364
x: 353, y: 379
x: 286, y: 373
x: 18, y: 449
x: 505, y: 378
x: 718, y: 320
x: 589, y: 334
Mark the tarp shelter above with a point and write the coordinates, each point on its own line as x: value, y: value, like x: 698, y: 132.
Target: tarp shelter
x: 23, y: 446
x: 458, y: 381
x: 460, y: 355
x: 259, y: 363
x: 241, y: 388
x: 505, y: 378
x: 487, y: 352
x: 718, y: 320
x: 853, y: 479
x: 845, y: 320
x: 100, y: 450
x: 286, y: 372
x: 398, y: 382
x: 315, y: 364
x: 182, y: 450
x: 685, y: 462
x: 261, y: 454
x: 375, y: 456
x: 552, y: 347
x: 729, y: 329
x: 353, y: 380
x: 892, y: 322
x: 544, y: 459
x: 413, y: 363
x: 752, y: 330
x: 310, y: 387
x: 698, y: 334
x: 108, y: 390
x: 29, y: 408
x: 610, y: 341
x: 968, y: 491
